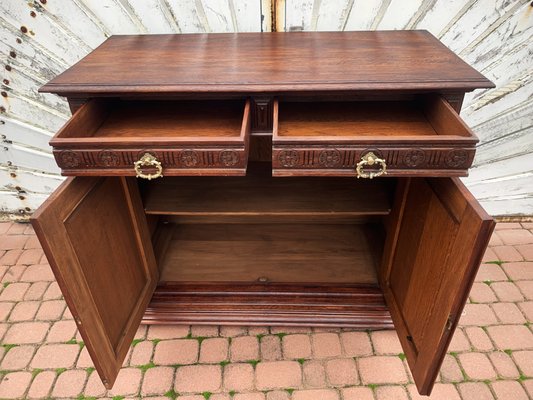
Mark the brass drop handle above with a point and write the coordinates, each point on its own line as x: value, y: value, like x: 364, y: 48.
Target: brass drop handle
x: 370, y: 159
x: 148, y: 160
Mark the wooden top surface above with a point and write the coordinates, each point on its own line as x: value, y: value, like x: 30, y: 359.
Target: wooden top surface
x: 268, y: 63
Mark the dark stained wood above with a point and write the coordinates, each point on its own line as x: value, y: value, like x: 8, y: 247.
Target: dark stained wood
x: 96, y: 238
x: 260, y: 148
x: 105, y: 138
x: 280, y: 304
x: 262, y: 114
x: 268, y: 63
x: 424, y: 136
x: 260, y: 195
x: 156, y: 120
x: 337, y: 120
x: 442, y: 238
x: 293, y: 104
x: 317, y: 253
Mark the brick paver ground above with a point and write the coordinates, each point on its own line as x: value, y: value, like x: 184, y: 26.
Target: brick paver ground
x: 42, y: 356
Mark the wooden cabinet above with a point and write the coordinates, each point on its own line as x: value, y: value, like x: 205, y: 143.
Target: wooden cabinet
x: 248, y: 209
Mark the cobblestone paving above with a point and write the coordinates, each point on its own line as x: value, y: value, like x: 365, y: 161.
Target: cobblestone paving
x: 42, y: 355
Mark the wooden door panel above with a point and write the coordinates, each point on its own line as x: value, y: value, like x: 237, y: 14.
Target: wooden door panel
x: 95, y: 236
x: 442, y: 236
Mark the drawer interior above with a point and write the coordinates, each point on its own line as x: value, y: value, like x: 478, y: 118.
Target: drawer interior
x: 123, y: 121
x: 421, y: 118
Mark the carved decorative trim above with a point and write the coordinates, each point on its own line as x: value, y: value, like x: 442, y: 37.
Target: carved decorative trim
x: 289, y: 158
x: 189, y: 158
x: 456, y: 158
x: 178, y: 158
x: 229, y: 158
x: 329, y: 158
x: 414, y: 158
x: 108, y: 158
x: 69, y: 159
x: 347, y: 158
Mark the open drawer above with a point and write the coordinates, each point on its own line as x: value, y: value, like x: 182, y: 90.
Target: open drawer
x: 419, y: 137
x: 154, y: 138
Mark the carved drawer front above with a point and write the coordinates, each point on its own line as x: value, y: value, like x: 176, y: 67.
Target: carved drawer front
x: 422, y: 137
x: 149, y: 139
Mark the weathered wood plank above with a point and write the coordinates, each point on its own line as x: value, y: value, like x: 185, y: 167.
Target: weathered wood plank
x: 298, y: 14
x: 28, y: 181
x: 27, y: 157
x: 505, y: 146
x: 27, y: 53
x: 513, y: 120
x: 116, y: 16
x: 496, y: 36
x: 332, y: 15
x: 399, y: 13
x: 247, y: 15
x: 363, y: 14
x: 44, y: 31
x: 510, y: 167
x: 443, y: 15
x: 12, y: 202
x: 26, y: 86
x: 77, y: 19
x: 25, y: 109
x: 186, y: 15
x: 506, y: 206
x: 154, y: 15
x: 25, y: 134
x: 219, y: 16
x: 487, y: 107
x: 476, y: 20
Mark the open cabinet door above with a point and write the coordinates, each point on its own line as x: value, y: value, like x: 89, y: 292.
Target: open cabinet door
x: 95, y: 236
x: 431, y: 258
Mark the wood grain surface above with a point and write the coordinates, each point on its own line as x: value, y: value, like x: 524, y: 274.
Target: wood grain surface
x: 268, y: 62
x: 297, y: 253
x: 255, y: 195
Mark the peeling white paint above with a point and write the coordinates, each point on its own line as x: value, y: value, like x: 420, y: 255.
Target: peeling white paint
x: 495, y: 36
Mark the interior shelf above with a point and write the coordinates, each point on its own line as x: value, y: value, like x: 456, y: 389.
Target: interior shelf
x: 259, y: 195
x: 268, y: 253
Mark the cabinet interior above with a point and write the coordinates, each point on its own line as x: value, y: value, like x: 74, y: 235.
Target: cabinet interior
x: 285, y: 244
x: 268, y: 230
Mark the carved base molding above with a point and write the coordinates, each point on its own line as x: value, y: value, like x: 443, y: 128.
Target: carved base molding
x: 280, y: 304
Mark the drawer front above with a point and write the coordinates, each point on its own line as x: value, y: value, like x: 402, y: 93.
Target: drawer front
x: 174, y: 161
x: 151, y: 139
x: 399, y: 160
x: 419, y: 137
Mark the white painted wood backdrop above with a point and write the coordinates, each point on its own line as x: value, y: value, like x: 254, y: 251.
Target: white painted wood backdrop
x: 41, y: 38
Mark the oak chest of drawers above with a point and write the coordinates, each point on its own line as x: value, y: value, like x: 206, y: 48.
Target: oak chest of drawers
x: 283, y: 179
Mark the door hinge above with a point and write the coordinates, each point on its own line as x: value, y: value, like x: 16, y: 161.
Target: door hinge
x: 449, y: 323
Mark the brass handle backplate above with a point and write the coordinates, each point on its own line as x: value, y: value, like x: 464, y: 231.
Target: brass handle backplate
x: 370, y: 159
x: 148, y: 160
